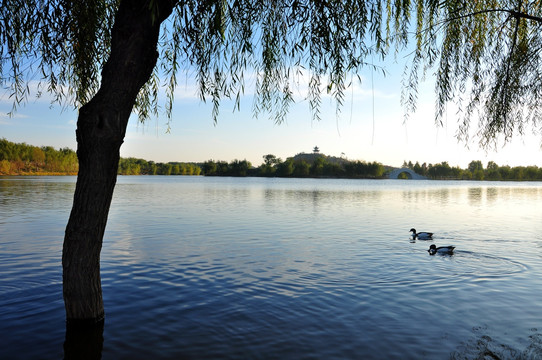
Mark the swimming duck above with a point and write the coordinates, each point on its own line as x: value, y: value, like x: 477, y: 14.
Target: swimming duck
x: 433, y: 249
x: 421, y: 235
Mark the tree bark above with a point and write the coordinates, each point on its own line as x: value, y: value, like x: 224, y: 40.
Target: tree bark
x: 101, y: 127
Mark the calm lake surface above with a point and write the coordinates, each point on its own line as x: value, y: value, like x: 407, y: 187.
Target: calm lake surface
x: 251, y: 268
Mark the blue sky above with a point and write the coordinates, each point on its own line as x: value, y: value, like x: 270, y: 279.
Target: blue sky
x: 370, y: 127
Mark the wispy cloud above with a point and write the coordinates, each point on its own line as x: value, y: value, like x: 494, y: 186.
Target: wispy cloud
x: 6, y: 119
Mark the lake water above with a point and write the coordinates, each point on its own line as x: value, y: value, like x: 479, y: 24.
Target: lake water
x: 256, y: 268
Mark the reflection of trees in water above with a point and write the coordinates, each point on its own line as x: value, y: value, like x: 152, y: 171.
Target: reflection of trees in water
x: 22, y: 192
x: 440, y: 195
x: 492, y: 194
x: 475, y: 195
x: 320, y: 197
x: 321, y: 200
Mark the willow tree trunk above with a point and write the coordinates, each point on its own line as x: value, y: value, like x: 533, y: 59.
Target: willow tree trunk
x: 101, y: 127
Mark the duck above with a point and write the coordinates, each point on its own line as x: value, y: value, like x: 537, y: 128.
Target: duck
x: 433, y: 249
x: 421, y: 235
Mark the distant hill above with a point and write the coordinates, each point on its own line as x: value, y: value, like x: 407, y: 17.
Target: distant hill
x: 310, y: 158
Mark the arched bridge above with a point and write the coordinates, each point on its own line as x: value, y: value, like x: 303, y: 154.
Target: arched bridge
x: 410, y: 174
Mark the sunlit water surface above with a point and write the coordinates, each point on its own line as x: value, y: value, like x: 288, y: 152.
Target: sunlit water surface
x: 249, y: 268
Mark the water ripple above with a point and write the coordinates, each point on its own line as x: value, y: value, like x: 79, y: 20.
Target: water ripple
x: 478, y: 266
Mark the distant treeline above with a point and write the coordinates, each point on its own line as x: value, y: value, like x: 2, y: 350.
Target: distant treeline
x: 318, y: 165
x: 295, y: 167
x: 302, y: 165
x: 476, y: 171
x: 133, y: 166
x: 23, y: 159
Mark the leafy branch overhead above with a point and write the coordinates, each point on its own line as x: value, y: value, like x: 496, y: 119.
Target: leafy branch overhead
x: 486, y: 53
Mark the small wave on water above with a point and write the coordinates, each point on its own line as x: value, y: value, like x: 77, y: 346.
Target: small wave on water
x: 480, y: 266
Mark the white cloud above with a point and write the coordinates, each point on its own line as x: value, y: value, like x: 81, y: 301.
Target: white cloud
x: 5, y: 118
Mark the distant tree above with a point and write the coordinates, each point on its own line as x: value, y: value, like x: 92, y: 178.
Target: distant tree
x: 375, y: 170
x: 239, y: 167
x: 492, y: 171
x: 456, y: 172
x: 38, y: 156
x: 505, y: 172
x: 286, y: 168
x: 153, y: 168
x: 317, y: 167
x: 492, y: 174
x: 301, y: 168
x: 418, y: 168
x: 270, y: 159
x: 196, y: 170
x: 466, y: 175
x: 209, y: 167
x: 491, y: 165
x: 424, y: 169
x: 478, y: 174
x: 268, y: 168
x: 516, y: 173
x: 5, y: 167
x: 333, y: 169
x: 223, y: 168
x: 531, y: 173
x: 440, y: 171
x: 475, y: 165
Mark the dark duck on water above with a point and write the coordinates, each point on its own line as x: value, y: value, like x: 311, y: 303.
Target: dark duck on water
x: 433, y: 249
x: 421, y: 235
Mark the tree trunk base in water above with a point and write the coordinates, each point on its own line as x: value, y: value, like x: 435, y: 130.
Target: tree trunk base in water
x: 84, y: 340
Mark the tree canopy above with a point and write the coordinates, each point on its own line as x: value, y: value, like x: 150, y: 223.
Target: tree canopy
x: 486, y: 53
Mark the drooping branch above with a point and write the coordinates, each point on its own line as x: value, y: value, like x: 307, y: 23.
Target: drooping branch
x: 513, y: 13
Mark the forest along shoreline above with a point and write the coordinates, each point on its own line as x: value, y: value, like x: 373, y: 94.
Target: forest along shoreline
x: 21, y: 159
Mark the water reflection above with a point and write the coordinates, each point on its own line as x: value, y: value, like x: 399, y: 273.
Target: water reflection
x: 84, y: 341
x: 475, y: 195
x: 284, y: 268
x: 439, y: 196
x: 492, y: 194
x: 18, y: 194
